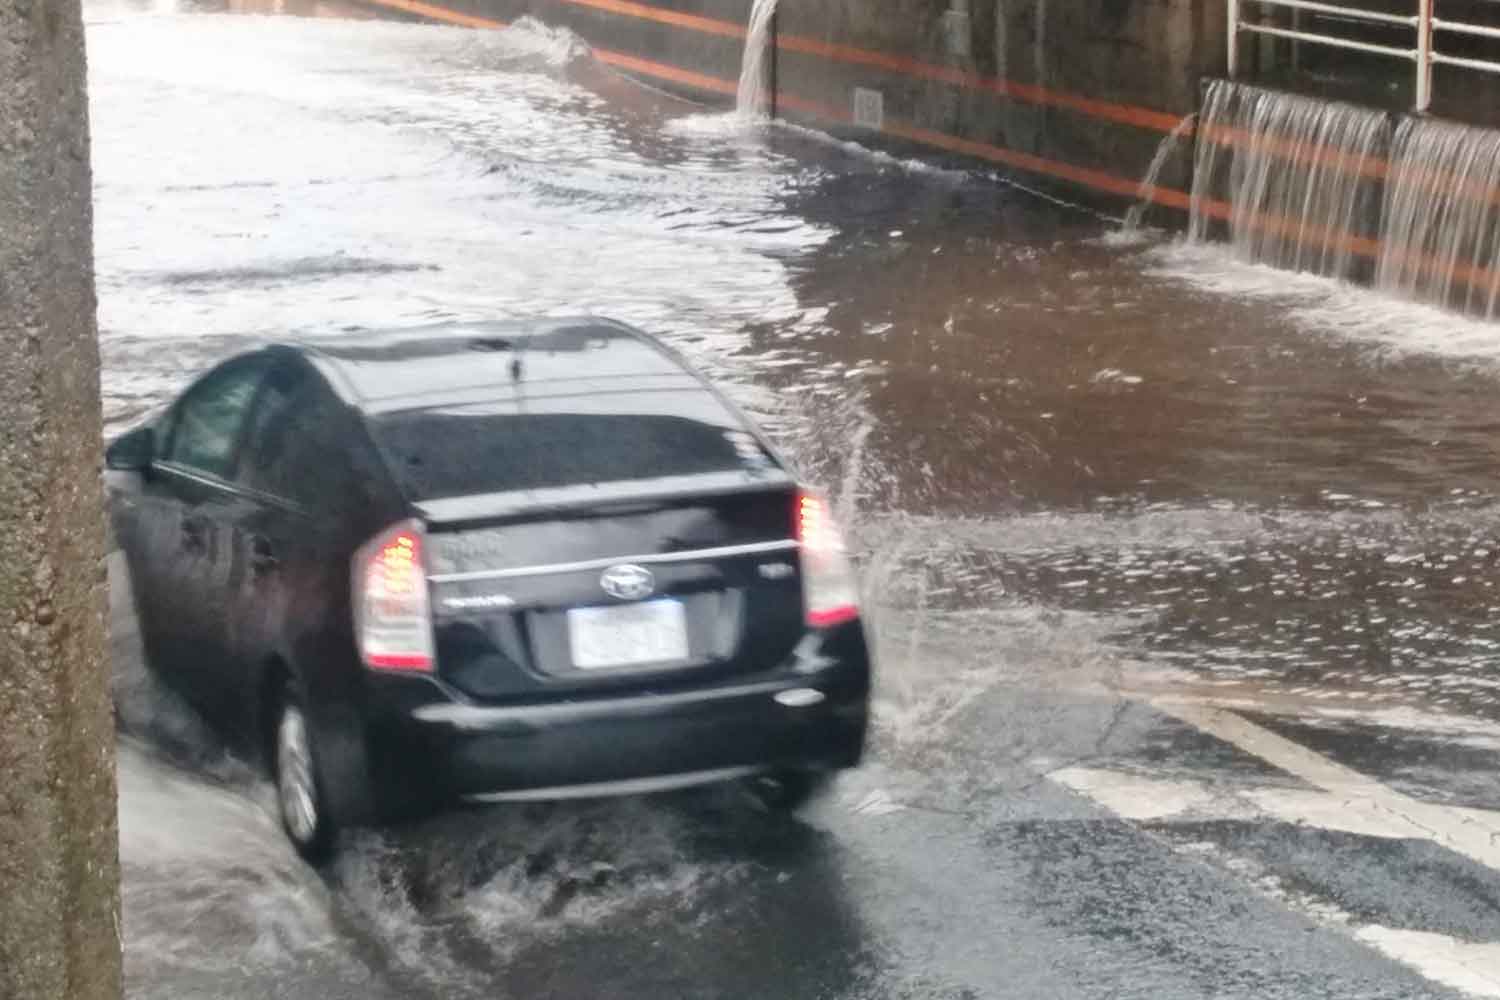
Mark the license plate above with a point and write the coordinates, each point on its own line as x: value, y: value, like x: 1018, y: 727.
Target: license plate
x: 629, y: 635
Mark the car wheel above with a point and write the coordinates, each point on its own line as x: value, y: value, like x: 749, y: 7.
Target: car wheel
x: 787, y: 791
x: 304, y: 813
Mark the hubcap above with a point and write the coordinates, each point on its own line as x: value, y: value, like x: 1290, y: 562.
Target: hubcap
x: 294, y: 776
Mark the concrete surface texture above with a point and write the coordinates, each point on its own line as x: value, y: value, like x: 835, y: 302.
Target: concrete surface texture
x: 59, y: 927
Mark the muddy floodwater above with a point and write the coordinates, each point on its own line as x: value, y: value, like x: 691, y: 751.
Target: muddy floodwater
x: 1083, y: 471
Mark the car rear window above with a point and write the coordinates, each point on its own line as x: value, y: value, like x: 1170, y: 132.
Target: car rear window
x: 463, y: 451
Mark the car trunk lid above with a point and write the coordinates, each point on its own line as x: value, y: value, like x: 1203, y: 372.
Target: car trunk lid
x: 667, y: 588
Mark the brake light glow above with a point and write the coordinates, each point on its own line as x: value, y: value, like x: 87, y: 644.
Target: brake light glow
x: 393, y: 620
x: 830, y: 592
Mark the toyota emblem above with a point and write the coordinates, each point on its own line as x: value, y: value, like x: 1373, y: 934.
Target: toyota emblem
x: 628, y: 582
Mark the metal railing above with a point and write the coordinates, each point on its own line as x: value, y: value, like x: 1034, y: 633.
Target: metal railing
x: 1425, y: 25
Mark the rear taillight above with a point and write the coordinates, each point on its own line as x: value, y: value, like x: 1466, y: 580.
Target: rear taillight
x: 392, y: 619
x: 830, y: 592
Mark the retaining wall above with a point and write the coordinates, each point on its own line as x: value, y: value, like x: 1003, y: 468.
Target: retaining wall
x: 1072, y: 94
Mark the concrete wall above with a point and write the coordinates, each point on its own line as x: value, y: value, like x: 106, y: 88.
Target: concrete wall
x: 59, y: 905
x: 1031, y: 71
x: 1073, y: 94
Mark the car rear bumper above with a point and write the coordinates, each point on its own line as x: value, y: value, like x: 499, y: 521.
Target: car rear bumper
x: 644, y: 742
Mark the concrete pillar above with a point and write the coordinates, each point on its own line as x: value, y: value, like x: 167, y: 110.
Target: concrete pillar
x: 59, y: 868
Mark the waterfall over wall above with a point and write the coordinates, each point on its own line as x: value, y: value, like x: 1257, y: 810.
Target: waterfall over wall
x: 752, y: 98
x: 1410, y: 204
x: 1440, y: 239
x: 1298, y: 175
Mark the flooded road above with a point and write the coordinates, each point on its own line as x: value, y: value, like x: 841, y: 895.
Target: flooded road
x: 1102, y: 488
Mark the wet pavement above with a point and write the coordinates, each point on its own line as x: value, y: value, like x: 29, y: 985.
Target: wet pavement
x: 1182, y: 571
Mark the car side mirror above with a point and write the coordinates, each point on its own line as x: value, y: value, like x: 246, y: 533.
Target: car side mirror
x: 132, y: 452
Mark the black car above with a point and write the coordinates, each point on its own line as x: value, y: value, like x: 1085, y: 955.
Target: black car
x: 485, y: 562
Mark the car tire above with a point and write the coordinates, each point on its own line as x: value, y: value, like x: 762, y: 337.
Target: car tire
x: 300, y: 799
x: 787, y: 791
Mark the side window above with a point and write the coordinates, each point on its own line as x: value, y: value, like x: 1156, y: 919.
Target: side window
x: 301, y: 441
x: 264, y: 465
x: 207, y: 423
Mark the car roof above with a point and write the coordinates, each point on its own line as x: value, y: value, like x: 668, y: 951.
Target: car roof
x: 454, y: 363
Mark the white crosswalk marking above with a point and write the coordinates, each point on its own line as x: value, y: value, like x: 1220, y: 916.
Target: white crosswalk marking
x: 1468, y: 832
x: 1340, y: 799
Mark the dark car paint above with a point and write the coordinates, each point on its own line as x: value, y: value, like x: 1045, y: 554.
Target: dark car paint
x: 265, y: 591
x: 240, y: 587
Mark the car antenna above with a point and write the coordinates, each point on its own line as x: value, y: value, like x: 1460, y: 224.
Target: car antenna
x: 518, y: 362
x: 518, y: 371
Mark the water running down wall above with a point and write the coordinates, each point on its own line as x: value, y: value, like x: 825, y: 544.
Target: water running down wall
x: 1409, y: 204
x: 1440, y: 236
x: 1297, y: 174
x: 755, y: 91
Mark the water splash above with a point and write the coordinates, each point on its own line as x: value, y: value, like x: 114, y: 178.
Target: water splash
x: 754, y: 93
x: 1441, y: 233
x: 1147, y: 190
x: 1300, y: 176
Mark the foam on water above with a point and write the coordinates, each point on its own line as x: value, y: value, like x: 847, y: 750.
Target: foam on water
x: 211, y: 883
x: 1126, y: 239
x: 528, y: 36
x: 1327, y: 306
x: 908, y: 164
x: 735, y: 130
x: 723, y: 126
x: 1172, y: 585
x: 438, y: 174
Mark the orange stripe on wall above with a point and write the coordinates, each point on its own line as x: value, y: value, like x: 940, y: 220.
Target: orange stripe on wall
x: 1124, y: 114
x: 661, y: 71
x: 646, y: 12
x: 438, y: 13
x: 1098, y: 180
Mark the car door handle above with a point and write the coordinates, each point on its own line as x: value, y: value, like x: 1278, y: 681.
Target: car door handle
x: 262, y: 555
x: 194, y: 534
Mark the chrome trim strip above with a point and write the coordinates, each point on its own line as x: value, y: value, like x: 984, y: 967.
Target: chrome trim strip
x: 523, y: 719
x: 183, y: 472
x: 633, y: 786
x: 234, y: 489
x: 512, y: 505
x: 558, y: 569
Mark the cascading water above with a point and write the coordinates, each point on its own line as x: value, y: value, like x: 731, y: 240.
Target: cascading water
x: 1143, y: 194
x: 751, y: 102
x: 1299, y: 176
x: 1324, y: 187
x: 1440, y: 240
